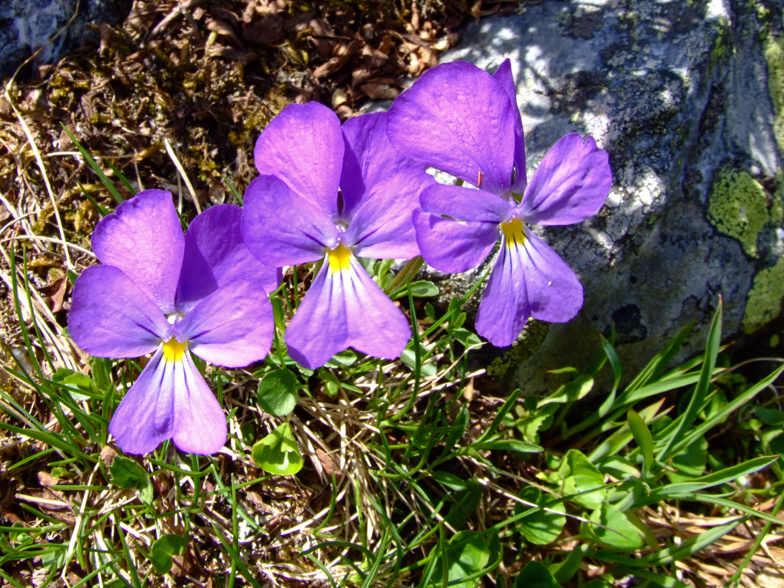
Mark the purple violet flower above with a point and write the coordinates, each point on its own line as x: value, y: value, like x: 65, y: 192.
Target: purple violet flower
x: 463, y: 121
x: 161, y: 293
x: 330, y: 193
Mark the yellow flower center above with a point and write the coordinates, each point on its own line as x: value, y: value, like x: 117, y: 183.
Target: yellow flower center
x: 513, y: 232
x: 339, y: 258
x: 173, y: 350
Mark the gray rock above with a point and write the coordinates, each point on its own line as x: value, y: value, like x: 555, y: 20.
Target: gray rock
x: 28, y: 25
x: 688, y: 99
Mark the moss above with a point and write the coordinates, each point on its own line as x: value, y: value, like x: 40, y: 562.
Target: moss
x: 529, y: 341
x: 737, y: 207
x: 763, y: 303
x: 774, y: 54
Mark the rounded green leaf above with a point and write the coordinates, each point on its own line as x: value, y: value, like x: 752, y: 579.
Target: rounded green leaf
x: 278, y: 453
x: 126, y: 473
x: 163, y: 549
x: 611, y: 528
x: 541, y: 526
x: 535, y: 575
x: 466, y: 554
x: 278, y: 392
x: 582, y: 479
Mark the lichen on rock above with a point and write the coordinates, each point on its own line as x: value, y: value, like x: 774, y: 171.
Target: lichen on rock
x: 774, y: 54
x: 764, y: 299
x: 527, y: 343
x: 737, y: 207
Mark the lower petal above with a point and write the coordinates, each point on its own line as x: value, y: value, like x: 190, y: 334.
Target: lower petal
x: 145, y: 417
x: 345, y: 308
x: 528, y: 280
x: 199, y: 421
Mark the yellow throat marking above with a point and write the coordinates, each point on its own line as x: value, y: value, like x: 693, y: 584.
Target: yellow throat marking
x: 513, y: 232
x: 173, y: 350
x: 339, y: 258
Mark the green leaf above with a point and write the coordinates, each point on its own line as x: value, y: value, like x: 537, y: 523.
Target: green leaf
x: 163, y: 549
x: 126, y: 473
x: 77, y: 380
x: 278, y: 453
x: 686, y: 420
x: 53, y: 558
x: 506, y: 445
x: 580, y: 476
x: 535, y: 575
x: 96, y: 168
x: 277, y: 393
x: 466, y: 502
x: 571, y: 391
x: 642, y: 436
x: 408, y: 357
x: 345, y: 358
x: 467, y: 554
x: 689, y: 547
x: 770, y: 416
x: 541, y: 526
x: 466, y: 337
x: 611, y: 528
x: 690, y: 462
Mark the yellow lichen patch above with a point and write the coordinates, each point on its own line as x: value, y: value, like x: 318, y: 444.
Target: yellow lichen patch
x: 763, y: 303
x: 173, y: 350
x: 339, y: 258
x: 513, y: 233
x: 737, y: 207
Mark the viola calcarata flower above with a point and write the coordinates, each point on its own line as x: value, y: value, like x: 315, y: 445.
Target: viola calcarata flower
x: 333, y: 193
x: 461, y: 120
x: 157, y: 291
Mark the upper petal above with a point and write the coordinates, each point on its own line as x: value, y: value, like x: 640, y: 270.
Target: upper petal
x: 373, y: 169
x: 199, y: 420
x: 345, y: 308
x: 145, y: 417
x: 232, y: 327
x: 528, y: 279
x: 451, y: 246
x: 215, y: 254
x: 281, y: 228
x: 570, y: 184
x: 503, y: 75
x: 303, y: 146
x: 143, y: 237
x: 112, y: 317
x: 459, y: 119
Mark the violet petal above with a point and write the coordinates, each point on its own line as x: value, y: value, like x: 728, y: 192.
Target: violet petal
x: 143, y: 238
x: 111, y: 316
x: 451, y: 246
x: 199, y: 421
x: 281, y: 228
x: 342, y: 309
x: 303, y: 146
x: 372, y: 168
x: 215, y: 254
x: 465, y: 204
x: 232, y: 327
x: 527, y: 280
x: 570, y: 184
x: 459, y: 119
x: 145, y: 417
x: 504, y: 77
